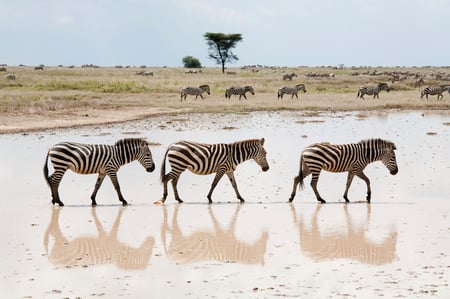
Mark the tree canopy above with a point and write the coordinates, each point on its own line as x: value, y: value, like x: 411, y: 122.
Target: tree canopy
x: 220, y: 46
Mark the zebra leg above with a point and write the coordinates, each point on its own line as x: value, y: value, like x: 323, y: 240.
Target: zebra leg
x: 113, y: 177
x: 294, y: 188
x: 349, y: 182
x: 54, y: 181
x: 365, y: 179
x: 233, y: 183
x: 175, y: 190
x: 217, y: 178
x: 99, y: 182
x: 314, y: 180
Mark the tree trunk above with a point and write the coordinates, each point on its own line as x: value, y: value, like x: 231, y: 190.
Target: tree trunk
x: 223, y: 67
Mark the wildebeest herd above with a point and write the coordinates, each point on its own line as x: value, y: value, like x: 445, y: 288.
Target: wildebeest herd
x: 204, y: 159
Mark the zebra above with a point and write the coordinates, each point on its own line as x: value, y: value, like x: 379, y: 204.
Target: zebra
x: 372, y: 90
x: 194, y: 91
x: 206, y: 159
x: 241, y: 91
x: 291, y: 90
x: 95, y: 158
x: 435, y: 90
x: 351, y: 158
x: 289, y: 76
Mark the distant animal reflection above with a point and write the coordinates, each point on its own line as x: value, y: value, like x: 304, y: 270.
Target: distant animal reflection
x: 218, y: 245
x: 352, y: 244
x: 95, y: 250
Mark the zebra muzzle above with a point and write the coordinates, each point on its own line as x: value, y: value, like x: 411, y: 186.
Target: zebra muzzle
x: 394, y: 171
x: 150, y: 169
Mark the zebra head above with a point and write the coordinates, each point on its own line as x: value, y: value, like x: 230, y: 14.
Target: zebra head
x: 389, y: 159
x: 205, y: 88
x: 301, y: 87
x: 383, y: 86
x: 249, y: 89
x: 260, y: 155
x: 144, y: 156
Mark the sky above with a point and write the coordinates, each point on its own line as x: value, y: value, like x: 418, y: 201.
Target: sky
x: 275, y: 32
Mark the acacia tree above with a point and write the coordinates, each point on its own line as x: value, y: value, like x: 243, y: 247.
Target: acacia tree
x: 220, y: 46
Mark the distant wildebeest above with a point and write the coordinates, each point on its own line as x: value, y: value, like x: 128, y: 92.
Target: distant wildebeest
x: 419, y: 83
x: 2, y: 69
x: 194, y: 91
x: 11, y: 77
x: 95, y: 158
x: 291, y: 90
x: 434, y: 90
x: 351, y: 158
x: 39, y: 68
x: 144, y: 73
x: 240, y: 91
x: 372, y: 90
x: 206, y: 159
x: 289, y: 76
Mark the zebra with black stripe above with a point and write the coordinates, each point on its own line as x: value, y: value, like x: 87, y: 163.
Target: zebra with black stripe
x: 207, y: 159
x: 289, y: 76
x: 195, y: 91
x: 291, y: 90
x: 372, y: 90
x: 435, y: 90
x: 95, y: 158
x: 351, y: 158
x: 240, y: 91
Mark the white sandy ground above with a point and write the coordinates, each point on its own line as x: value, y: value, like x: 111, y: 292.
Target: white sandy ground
x: 397, y: 247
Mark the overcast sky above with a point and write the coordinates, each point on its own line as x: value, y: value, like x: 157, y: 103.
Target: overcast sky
x: 275, y: 32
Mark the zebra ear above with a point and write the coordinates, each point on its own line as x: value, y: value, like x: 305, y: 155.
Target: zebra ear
x: 262, y: 141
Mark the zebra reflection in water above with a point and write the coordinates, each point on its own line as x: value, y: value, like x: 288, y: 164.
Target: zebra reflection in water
x: 95, y: 250
x: 350, y: 244
x: 219, y: 245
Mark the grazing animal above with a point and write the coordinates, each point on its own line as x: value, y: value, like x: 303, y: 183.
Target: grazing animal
x: 240, y: 91
x: 95, y: 158
x: 419, y: 83
x: 372, y: 90
x: 206, y: 159
x: 11, y: 77
x: 351, y: 158
x: 39, y: 68
x: 291, y: 90
x: 194, y: 91
x: 434, y: 90
x: 2, y: 69
x: 289, y: 76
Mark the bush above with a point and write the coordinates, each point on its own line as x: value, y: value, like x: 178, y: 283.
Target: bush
x: 191, y: 62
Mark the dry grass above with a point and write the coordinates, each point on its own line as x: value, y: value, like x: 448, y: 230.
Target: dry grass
x: 67, y: 89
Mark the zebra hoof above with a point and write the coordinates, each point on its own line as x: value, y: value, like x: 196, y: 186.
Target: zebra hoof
x: 124, y: 203
x: 322, y: 201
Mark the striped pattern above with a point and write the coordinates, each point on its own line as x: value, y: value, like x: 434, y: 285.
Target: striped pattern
x: 207, y: 159
x: 434, y: 90
x: 95, y: 158
x: 351, y: 158
x: 289, y: 76
x: 351, y: 243
x: 240, y: 91
x: 291, y: 90
x: 102, y: 249
x: 217, y: 245
x: 372, y: 90
x: 194, y: 91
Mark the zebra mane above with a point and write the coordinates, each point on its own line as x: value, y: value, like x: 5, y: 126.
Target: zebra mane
x: 128, y: 141
x: 379, y: 143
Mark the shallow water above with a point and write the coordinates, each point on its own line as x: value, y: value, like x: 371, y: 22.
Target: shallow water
x: 397, y: 246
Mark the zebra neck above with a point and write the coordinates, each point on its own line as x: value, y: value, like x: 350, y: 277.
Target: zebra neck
x: 372, y: 154
x: 125, y: 155
x: 241, y: 152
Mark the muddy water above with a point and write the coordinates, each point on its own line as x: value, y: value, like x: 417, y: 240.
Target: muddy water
x: 396, y: 247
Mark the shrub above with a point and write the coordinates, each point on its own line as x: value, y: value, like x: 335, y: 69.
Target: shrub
x: 191, y: 62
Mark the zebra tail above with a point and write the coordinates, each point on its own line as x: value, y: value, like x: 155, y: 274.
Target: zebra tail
x: 163, y: 167
x: 300, y: 175
x: 47, y: 178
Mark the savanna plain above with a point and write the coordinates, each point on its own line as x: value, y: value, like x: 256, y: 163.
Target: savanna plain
x: 396, y: 247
